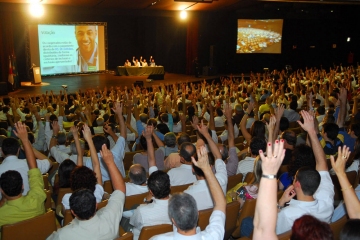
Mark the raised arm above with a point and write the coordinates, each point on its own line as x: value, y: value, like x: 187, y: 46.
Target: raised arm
x: 270, y: 126
x: 243, y: 129
x: 118, y: 107
x: 342, y: 112
x: 204, y: 130
x: 94, y: 157
x: 79, y: 151
x: 265, y: 210
x: 309, y: 127
x: 22, y: 134
x: 116, y: 178
x: 228, y: 115
x: 147, y: 133
x: 351, y: 201
x: 214, y: 186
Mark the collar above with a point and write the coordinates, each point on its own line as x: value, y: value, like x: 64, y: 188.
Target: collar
x: 295, y: 203
x: 186, y: 166
x: 94, y: 220
x: 11, y: 158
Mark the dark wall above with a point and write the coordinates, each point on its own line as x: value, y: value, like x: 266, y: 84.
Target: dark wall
x: 128, y: 34
x: 312, y: 26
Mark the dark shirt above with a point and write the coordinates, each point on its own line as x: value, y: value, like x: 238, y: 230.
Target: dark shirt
x: 236, y: 119
x: 287, y: 158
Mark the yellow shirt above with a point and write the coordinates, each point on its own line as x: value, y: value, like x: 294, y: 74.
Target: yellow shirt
x: 28, y: 206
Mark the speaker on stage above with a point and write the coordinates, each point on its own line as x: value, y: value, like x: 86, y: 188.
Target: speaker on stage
x: 156, y: 76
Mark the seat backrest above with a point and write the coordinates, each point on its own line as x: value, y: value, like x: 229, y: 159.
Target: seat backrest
x: 234, y: 180
x: 180, y: 188
x: 249, y: 177
x: 248, y: 209
x: 62, y: 192
x: 232, y: 213
x: 39, y: 227
x: 204, y: 216
x: 130, y: 201
x: 285, y: 235
x: 46, y: 181
x: 150, y: 231
x: 108, y: 187
x: 126, y: 236
x: 47, y: 200
x: 128, y: 159
x: 337, y: 226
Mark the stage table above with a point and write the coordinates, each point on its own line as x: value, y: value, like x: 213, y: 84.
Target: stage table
x: 140, y: 71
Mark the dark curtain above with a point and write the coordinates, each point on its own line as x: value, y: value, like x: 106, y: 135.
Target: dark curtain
x: 6, y: 44
x: 192, y: 44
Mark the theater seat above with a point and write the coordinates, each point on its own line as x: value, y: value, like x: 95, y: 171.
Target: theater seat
x: 234, y: 180
x: 337, y: 226
x: 39, y: 227
x: 204, y: 216
x: 150, y: 231
x: 232, y: 212
x: 126, y: 236
x: 180, y: 188
x: 285, y: 235
x: 248, y: 210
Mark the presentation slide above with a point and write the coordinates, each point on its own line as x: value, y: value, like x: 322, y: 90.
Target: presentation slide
x: 68, y: 48
x: 259, y: 36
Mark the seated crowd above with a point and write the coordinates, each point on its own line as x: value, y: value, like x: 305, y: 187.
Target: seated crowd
x: 279, y: 132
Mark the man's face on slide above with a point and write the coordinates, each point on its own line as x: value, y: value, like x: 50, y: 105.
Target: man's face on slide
x: 85, y: 36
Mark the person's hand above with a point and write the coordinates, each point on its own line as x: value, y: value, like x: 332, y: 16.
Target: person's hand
x: 308, y: 124
x: 272, y: 162
x: 203, y: 129
x: 271, y: 125
x: 148, y: 131
x: 342, y: 157
x: 108, y: 129
x: 279, y: 111
x: 288, y: 194
x: 250, y: 107
x: 106, y: 154
x: 74, y: 132
x: 227, y: 111
x: 195, y: 122
x: 203, y: 159
x: 87, y: 133
x: 56, y: 127
x: 118, y: 107
x: 21, y: 131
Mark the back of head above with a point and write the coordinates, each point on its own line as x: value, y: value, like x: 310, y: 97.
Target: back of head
x: 137, y: 174
x: 61, y: 138
x: 83, y: 177
x: 143, y: 118
x: 170, y: 139
x: 309, y: 179
x: 223, y: 151
x: 159, y: 184
x: 73, y: 146
x: 293, y: 105
x: 351, y: 230
x: 100, y: 121
x: 309, y: 228
x: 219, y: 112
x: 10, y: 146
x: 143, y: 143
x: 238, y: 108
x: 257, y: 144
x: 152, y: 121
x: 331, y: 130
x: 284, y: 124
x: 164, y: 118
x: 258, y: 129
x: 64, y: 173
x: 163, y: 128
x: 321, y: 110
x: 100, y: 140
x: 11, y: 183
x: 183, y: 210
x: 302, y: 156
x: 356, y: 128
x: 183, y: 138
x: 83, y: 203
x: 290, y: 137
x: 187, y: 150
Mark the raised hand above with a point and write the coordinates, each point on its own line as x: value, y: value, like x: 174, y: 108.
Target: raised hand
x: 288, y: 194
x: 106, y: 154
x: 195, y: 122
x: 308, y: 124
x: 339, y: 164
x: 227, y: 111
x: 87, y: 133
x: 203, y: 129
x: 74, y: 131
x: 272, y: 162
x: 271, y: 125
x: 118, y: 107
x: 21, y: 131
x: 203, y: 159
x: 107, y: 129
x: 148, y: 131
x: 56, y: 127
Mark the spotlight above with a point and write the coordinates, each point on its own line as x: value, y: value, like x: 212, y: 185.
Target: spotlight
x: 36, y: 9
x: 183, y: 14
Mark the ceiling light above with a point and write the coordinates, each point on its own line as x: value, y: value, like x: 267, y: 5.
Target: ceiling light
x: 183, y: 14
x: 36, y: 9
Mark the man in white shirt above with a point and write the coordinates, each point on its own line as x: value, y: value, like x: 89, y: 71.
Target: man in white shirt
x: 184, y: 213
x: 247, y: 165
x: 137, y: 184
x: 313, y: 188
x: 136, y: 62
x: 183, y: 175
x: 89, y: 224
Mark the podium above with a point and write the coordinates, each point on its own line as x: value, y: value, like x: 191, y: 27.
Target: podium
x: 37, y: 75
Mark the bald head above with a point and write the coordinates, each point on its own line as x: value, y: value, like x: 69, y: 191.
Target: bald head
x: 137, y: 174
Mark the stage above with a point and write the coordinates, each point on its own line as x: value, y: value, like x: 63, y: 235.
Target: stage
x: 83, y: 82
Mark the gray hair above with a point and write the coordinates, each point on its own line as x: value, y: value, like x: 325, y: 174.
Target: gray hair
x: 73, y: 146
x: 61, y: 138
x: 183, y: 209
x: 137, y: 174
x: 238, y: 107
x: 100, y: 121
x: 170, y: 139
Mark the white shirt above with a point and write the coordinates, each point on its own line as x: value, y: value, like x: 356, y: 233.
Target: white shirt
x: 13, y: 163
x: 133, y: 189
x: 98, y: 193
x: 103, y: 226
x: 200, y: 189
x: 118, y: 152
x: 246, y: 165
x: 151, y: 214
x: 322, y: 207
x: 181, y: 175
x: 177, y: 127
x: 60, y: 153
x: 219, y: 121
x: 214, y: 231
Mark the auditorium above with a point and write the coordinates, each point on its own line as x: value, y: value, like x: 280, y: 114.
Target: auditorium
x: 179, y: 119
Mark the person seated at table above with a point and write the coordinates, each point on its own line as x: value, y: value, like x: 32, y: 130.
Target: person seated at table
x: 136, y: 62
x: 127, y: 63
x: 152, y: 62
x: 143, y: 62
